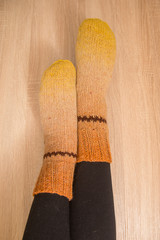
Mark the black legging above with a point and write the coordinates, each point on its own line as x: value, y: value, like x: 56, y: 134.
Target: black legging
x: 91, y: 210
x: 92, y: 214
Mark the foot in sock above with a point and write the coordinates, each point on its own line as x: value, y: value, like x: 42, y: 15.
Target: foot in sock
x: 49, y: 215
x: 92, y: 208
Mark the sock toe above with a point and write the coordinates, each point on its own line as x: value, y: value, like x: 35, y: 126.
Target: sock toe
x: 96, y: 41
x: 61, y: 74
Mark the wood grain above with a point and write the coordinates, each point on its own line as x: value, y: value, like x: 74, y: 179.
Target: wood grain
x: 33, y: 34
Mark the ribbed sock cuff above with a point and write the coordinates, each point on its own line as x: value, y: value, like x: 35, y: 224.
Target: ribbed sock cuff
x: 93, y: 140
x: 56, y: 176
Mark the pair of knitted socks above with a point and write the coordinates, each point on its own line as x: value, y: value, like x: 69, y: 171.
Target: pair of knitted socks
x: 76, y: 202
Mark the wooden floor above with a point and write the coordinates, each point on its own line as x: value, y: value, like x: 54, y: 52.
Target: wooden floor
x: 35, y: 33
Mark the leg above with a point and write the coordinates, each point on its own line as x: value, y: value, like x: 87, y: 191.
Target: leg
x: 49, y: 215
x: 92, y: 208
x: 48, y: 218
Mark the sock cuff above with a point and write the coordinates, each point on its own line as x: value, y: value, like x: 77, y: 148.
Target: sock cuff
x: 56, y: 175
x: 93, y: 137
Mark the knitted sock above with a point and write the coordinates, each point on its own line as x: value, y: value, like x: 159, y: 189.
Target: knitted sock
x: 58, y: 115
x: 92, y: 208
x: 49, y: 215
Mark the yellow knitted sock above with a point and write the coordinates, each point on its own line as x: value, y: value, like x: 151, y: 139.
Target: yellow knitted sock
x: 95, y: 57
x: 59, y: 123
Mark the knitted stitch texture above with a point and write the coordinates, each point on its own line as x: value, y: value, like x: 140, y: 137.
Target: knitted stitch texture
x: 95, y: 57
x: 59, y: 123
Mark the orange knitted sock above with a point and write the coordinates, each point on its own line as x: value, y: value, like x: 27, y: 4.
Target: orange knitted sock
x: 59, y: 123
x: 95, y: 57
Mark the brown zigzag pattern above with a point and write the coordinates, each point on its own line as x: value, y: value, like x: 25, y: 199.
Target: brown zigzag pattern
x: 92, y: 118
x: 49, y: 154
